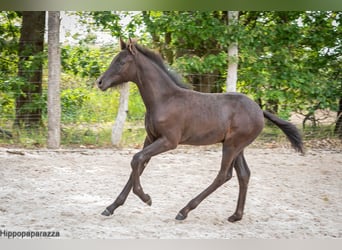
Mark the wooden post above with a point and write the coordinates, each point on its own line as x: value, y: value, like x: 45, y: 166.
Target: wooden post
x: 118, y: 126
x: 54, y: 61
x: 232, y: 55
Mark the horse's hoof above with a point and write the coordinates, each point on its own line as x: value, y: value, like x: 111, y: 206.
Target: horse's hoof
x: 234, y: 218
x: 149, y: 200
x: 106, y: 213
x: 180, y: 216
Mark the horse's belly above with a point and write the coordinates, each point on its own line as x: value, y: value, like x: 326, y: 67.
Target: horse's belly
x: 203, y: 137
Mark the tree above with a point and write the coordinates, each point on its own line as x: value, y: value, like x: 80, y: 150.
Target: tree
x: 323, y: 34
x: 9, y: 38
x: 338, y: 127
x: 193, y: 42
x: 9, y: 82
x: 289, y: 61
x: 30, y: 68
x: 54, y: 61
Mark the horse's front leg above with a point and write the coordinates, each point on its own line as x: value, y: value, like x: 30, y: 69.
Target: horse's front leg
x: 159, y: 146
x: 120, y: 200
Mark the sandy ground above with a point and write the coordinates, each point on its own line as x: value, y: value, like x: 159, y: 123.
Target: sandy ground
x: 290, y: 195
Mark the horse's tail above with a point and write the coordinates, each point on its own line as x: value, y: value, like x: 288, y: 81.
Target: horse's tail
x: 290, y: 130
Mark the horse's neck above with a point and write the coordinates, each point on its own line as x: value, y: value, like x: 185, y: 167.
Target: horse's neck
x: 155, y: 86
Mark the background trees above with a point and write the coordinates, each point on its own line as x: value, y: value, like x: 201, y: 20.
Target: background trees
x: 288, y: 61
x: 30, y: 68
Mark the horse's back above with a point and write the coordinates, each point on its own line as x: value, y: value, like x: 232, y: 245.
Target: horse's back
x: 232, y: 103
x: 208, y: 118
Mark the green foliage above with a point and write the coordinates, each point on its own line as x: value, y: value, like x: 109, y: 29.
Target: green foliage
x: 85, y: 61
x: 193, y: 42
x: 9, y: 38
x: 288, y: 62
x: 10, y: 89
x: 202, y: 65
x: 284, y: 61
x: 72, y: 102
x: 89, y: 105
x: 10, y: 84
x: 134, y: 134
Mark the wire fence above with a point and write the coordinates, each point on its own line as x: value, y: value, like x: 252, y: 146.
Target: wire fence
x: 87, y: 113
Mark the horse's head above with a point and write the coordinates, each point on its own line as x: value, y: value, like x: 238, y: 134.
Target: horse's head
x: 122, y: 68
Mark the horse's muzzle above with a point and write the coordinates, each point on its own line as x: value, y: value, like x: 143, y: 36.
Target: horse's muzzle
x: 100, y: 84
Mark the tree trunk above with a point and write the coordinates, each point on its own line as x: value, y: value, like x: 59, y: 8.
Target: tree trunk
x: 118, y: 126
x: 233, y: 17
x: 54, y: 102
x: 30, y: 68
x: 338, y: 126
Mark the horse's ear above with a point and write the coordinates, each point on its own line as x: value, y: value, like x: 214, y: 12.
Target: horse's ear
x: 131, y: 46
x: 122, y: 44
x: 133, y: 40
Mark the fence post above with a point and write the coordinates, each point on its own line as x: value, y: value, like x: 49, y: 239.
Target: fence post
x: 54, y: 68
x: 118, y: 126
x: 233, y: 17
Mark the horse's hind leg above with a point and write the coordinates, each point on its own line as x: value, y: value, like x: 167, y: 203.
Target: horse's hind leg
x: 243, y: 175
x: 225, y: 174
x: 120, y: 200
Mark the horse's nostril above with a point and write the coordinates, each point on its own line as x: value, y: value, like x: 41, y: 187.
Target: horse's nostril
x: 99, y: 82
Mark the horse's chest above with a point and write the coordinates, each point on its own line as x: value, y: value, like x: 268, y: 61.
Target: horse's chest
x: 162, y: 123
x: 150, y: 126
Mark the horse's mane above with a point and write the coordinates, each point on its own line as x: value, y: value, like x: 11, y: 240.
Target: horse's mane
x: 157, y: 59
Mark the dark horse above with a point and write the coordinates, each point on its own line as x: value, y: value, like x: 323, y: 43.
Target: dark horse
x: 177, y: 115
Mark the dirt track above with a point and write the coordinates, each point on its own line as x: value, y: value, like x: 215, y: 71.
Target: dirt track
x: 290, y: 196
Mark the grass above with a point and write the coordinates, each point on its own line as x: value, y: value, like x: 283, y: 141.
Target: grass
x: 78, y: 135
x: 25, y: 138
x: 99, y: 136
